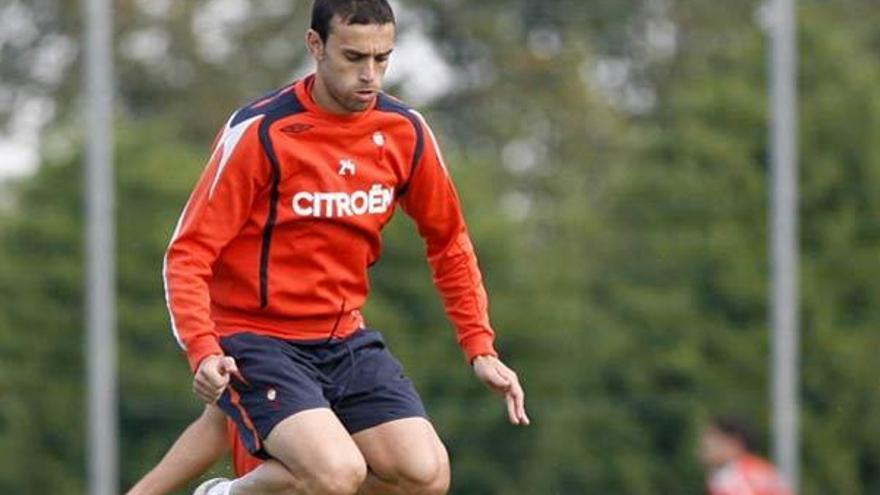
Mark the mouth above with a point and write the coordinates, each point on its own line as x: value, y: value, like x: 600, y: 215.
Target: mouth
x: 365, y: 94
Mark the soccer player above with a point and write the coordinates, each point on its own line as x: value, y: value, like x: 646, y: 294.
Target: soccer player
x: 726, y: 449
x: 266, y: 273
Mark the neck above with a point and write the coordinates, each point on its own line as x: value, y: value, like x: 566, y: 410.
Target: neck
x: 735, y: 457
x: 324, y: 99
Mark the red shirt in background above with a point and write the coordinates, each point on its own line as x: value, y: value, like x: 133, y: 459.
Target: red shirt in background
x: 748, y: 475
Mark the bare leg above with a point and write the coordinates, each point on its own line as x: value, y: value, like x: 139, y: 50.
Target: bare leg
x: 270, y: 478
x: 315, y: 456
x: 406, y: 457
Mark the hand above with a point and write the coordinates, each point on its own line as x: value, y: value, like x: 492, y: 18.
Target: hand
x: 497, y: 376
x: 212, y: 377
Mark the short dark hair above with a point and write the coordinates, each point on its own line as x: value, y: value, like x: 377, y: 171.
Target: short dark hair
x: 736, y: 428
x: 350, y: 12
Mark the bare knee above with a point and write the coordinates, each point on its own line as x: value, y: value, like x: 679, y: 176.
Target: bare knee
x: 342, y: 477
x: 440, y: 484
x: 432, y: 478
x: 425, y: 476
x: 319, y: 453
x: 406, y: 457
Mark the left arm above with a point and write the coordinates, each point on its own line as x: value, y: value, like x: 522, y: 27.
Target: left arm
x: 432, y: 201
x: 197, y: 448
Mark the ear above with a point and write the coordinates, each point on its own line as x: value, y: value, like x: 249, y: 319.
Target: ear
x: 314, y: 44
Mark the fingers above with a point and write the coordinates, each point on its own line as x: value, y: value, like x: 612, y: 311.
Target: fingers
x: 212, y: 377
x: 228, y: 367
x: 515, y: 397
x: 204, y: 390
x: 516, y: 402
x: 503, y: 379
x: 488, y: 370
x: 511, y: 408
x: 496, y: 380
x: 205, y: 393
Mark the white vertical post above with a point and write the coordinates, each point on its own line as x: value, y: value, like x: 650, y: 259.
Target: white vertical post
x: 784, y: 235
x: 100, y: 260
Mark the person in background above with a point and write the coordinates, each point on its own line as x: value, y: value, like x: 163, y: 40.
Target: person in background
x: 727, y: 451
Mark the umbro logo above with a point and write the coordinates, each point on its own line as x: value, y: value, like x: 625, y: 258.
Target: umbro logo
x: 296, y: 128
x: 347, y: 167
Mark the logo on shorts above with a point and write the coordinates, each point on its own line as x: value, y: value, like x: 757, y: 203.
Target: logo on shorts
x: 271, y: 394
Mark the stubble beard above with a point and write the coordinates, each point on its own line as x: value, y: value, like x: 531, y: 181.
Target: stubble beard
x: 349, y: 104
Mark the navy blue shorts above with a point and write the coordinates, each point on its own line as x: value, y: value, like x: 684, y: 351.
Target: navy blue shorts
x: 356, y: 377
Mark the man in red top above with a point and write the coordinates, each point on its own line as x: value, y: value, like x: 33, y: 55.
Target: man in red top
x: 733, y: 469
x: 267, y: 272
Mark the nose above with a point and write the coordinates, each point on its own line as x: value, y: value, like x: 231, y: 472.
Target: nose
x: 368, y: 71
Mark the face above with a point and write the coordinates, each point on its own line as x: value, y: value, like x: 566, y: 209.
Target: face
x: 351, y: 64
x: 717, y: 449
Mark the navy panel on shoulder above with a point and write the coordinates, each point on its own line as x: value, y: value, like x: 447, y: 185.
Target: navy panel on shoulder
x: 387, y: 103
x: 265, y: 104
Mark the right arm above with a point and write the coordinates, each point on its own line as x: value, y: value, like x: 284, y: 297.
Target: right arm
x: 218, y: 207
x: 196, y: 450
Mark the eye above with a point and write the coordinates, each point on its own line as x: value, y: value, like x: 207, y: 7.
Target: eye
x: 353, y: 57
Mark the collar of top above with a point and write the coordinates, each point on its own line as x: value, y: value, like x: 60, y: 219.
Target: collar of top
x: 303, y: 90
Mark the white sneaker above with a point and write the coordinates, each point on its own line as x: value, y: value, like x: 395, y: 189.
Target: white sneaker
x: 216, y: 486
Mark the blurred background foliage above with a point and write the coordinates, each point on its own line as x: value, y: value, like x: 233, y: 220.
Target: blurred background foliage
x: 612, y: 161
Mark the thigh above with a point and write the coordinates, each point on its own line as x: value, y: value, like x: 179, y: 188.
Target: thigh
x: 404, y: 451
x: 313, y: 445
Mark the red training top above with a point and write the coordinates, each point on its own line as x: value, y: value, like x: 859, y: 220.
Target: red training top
x: 277, y: 236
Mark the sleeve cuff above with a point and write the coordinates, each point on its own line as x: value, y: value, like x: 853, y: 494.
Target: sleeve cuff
x: 480, y: 344
x: 200, y: 348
